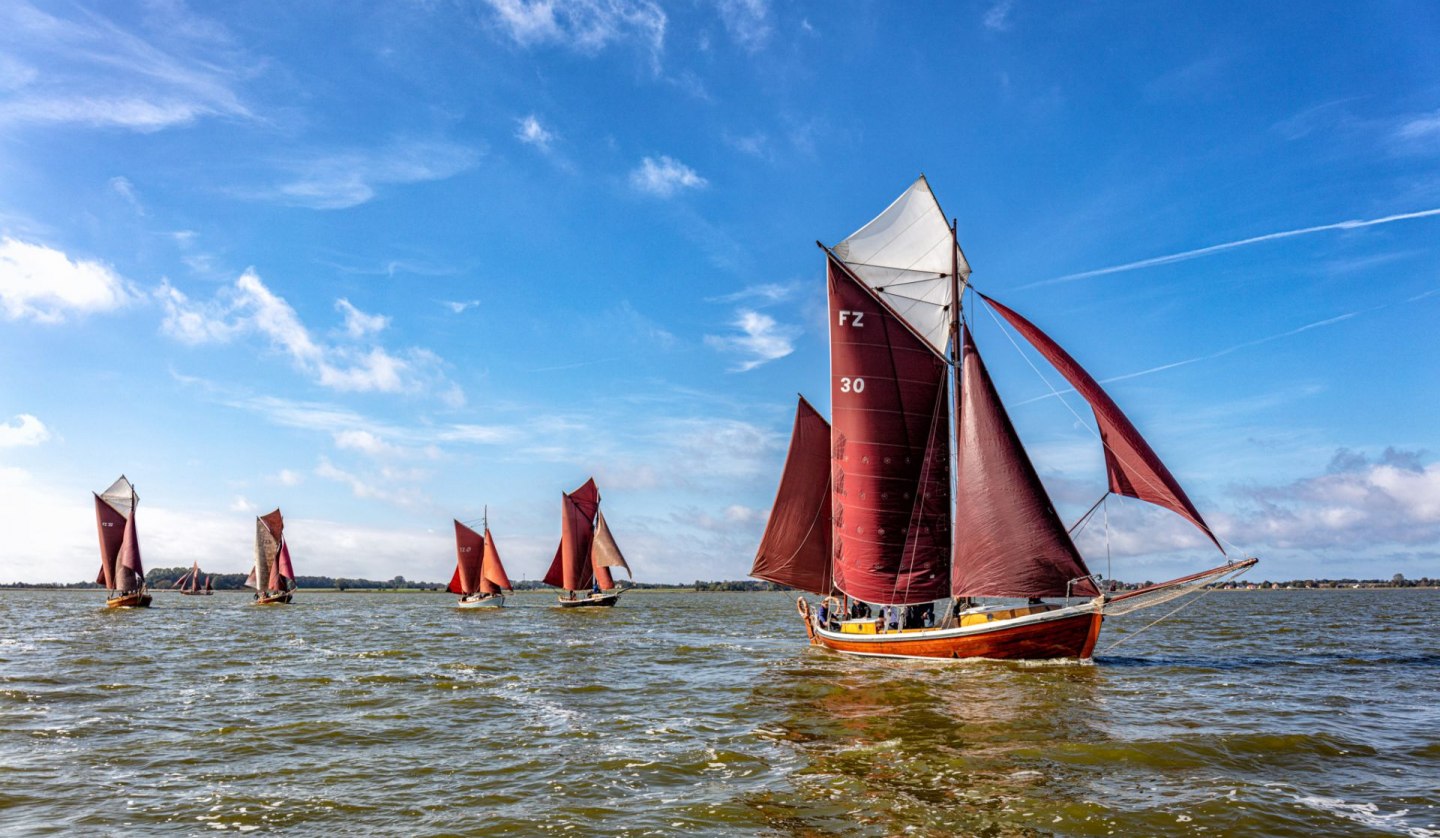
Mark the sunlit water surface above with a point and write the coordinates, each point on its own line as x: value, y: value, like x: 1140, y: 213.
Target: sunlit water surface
x: 1260, y: 713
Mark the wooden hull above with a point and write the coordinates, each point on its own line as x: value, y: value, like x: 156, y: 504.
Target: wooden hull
x: 496, y: 601
x: 592, y: 601
x: 1053, y: 635
x: 197, y: 593
x: 274, y: 599
x: 140, y: 600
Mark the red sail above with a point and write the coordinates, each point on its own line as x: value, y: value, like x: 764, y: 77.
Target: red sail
x: 1134, y: 469
x: 492, y: 572
x: 571, y: 569
x: 286, y: 570
x: 128, y: 569
x: 796, y: 547
x: 111, y: 526
x: 275, y: 523
x: 1008, y: 540
x: 469, y: 547
x: 890, y: 478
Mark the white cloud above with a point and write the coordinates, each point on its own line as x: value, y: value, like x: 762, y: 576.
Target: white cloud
x: 28, y: 431
x: 586, y: 26
x: 347, y: 179
x: 242, y: 504
x: 358, y: 324
x: 747, y: 21
x: 91, y: 71
x: 1420, y: 128
x: 460, y: 306
x: 763, y: 340
x: 770, y: 292
x: 286, y: 477
x: 251, y: 307
x: 531, y: 132
x: 383, y: 487
x: 45, y: 285
x: 125, y: 189
x: 664, y: 177
x: 997, y: 17
x: 365, y: 442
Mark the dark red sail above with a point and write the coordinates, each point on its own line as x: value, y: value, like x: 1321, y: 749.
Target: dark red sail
x: 1134, y: 469
x: 492, y: 573
x: 796, y: 547
x: 890, y: 482
x: 111, y: 526
x: 571, y: 568
x: 130, y: 573
x: 469, y: 547
x: 1008, y: 540
x: 285, y: 569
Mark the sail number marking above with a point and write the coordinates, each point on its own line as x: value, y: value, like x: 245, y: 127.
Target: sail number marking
x: 855, y: 318
x: 852, y: 385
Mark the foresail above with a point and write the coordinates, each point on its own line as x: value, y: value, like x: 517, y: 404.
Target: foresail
x: 492, y: 572
x: 906, y: 255
x: 1008, y: 540
x: 795, y: 550
x: 604, y: 552
x: 1133, y: 467
x: 130, y: 570
x: 890, y: 476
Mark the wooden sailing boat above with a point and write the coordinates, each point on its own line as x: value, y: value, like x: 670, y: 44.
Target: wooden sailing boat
x: 272, y: 577
x: 190, y: 585
x: 586, y: 553
x: 479, y: 576
x: 121, y: 571
x: 863, y: 511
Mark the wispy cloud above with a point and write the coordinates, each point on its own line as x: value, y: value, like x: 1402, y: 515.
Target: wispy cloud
x: 531, y: 132
x: 1186, y: 255
x: 358, y: 324
x: 1422, y: 128
x: 125, y: 189
x: 250, y: 307
x: 27, y: 431
x: 90, y: 71
x: 346, y: 179
x: 761, y: 338
x: 769, y: 292
x: 43, y: 284
x: 747, y: 21
x: 997, y: 17
x: 664, y: 176
x: 586, y: 26
x: 460, y: 306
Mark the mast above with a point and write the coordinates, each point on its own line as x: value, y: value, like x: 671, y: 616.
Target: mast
x: 955, y: 369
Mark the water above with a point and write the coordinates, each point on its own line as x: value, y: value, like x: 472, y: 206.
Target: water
x: 1261, y: 713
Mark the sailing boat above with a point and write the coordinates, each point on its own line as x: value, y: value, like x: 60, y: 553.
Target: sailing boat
x: 189, y: 584
x: 587, y: 551
x: 272, y: 562
x: 479, y: 576
x: 863, y: 512
x: 121, y: 572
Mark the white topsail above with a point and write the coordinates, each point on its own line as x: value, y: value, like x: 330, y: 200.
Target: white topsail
x: 121, y: 497
x: 905, y: 254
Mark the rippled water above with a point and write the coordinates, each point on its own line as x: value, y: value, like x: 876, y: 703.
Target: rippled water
x: 1275, y: 713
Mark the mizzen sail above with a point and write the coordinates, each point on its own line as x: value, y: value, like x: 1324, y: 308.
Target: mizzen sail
x: 1009, y: 542
x: 1133, y: 467
x: 605, y: 553
x: 795, y: 550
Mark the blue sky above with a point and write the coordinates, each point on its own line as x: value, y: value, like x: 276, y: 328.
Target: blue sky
x: 384, y: 266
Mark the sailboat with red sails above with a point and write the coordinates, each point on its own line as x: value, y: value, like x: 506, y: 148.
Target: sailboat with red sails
x: 479, y: 578
x: 189, y: 584
x: 273, y: 576
x: 863, y: 515
x: 121, y: 571
x: 586, y: 553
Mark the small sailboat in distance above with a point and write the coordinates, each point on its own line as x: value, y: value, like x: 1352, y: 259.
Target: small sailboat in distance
x: 479, y: 576
x: 586, y: 553
x: 189, y: 584
x: 272, y: 577
x: 121, y: 571
x: 864, y: 511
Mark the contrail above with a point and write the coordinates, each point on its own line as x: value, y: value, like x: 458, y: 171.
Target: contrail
x: 1352, y: 224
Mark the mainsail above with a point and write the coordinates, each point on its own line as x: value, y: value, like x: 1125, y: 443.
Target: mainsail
x: 890, y: 479
x: 571, y: 568
x: 272, y: 570
x: 1133, y: 467
x: 1009, y: 542
x: 469, y: 550
x: 795, y: 550
x: 120, y: 565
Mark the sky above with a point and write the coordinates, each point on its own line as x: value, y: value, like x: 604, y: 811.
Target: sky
x: 383, y: 265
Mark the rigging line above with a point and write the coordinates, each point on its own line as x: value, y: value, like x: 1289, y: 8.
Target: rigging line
x: 1107, y: 538
x: 1204, y: 592
x: 1089, y: 512
x: 930, y: 274
x: 1095, y: 432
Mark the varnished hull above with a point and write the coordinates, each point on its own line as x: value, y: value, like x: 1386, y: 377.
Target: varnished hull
x: 274, y: 599
x: 592, y: 601
x: 496, y: 601
x: 140, y: 600
x: 197, y: 593
x: 1068, y: 633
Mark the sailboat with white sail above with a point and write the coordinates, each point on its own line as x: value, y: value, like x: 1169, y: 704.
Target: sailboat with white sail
x: 863, y: 515
x: 586, y: 553
x: 121, y: 571
x: 479, y: 577
x: 273, y: 576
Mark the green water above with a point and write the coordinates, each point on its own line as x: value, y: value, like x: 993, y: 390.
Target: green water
x: 1261, y: 713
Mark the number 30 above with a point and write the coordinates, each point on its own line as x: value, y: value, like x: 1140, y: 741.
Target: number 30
x: 852, y: 385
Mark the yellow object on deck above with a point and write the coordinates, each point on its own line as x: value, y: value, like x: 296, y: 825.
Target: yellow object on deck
x: 858, y: 627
